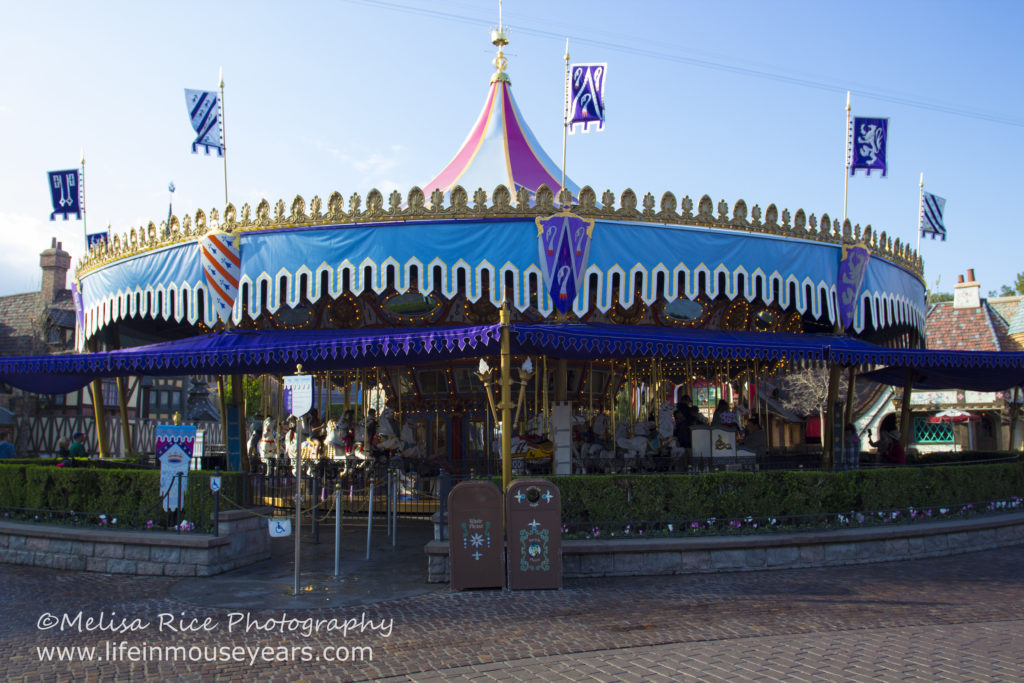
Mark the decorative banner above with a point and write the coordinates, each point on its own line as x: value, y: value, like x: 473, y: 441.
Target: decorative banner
x: 96, y: 239
x: 204, y: 110
x: 279, y: 528
x: 222, y: 267
x: 563, y: 241
x: 174, y: 445
x: 65, y: 193
x: 870, y: 139
x: 76, y: 298
x: 852, y: 267
x: 298, y: 394
x: 932, y: 208
x: 586, y: 96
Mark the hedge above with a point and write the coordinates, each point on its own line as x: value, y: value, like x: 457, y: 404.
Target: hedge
x: 645, y: 498
x: 114, y: 492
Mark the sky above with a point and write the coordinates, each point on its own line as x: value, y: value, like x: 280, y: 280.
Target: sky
x: 735, y: 99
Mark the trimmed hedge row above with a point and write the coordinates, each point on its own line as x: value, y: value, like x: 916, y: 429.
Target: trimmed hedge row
x: 113, y: 492
x: 634, y: 498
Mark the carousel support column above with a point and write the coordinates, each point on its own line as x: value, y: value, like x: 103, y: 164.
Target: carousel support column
x: 238, y: 400
x: 96, y: 387
x: 851, y: 387
x: 126, y: 428
x: 908, y: 388
x: 561, y: 380
x: 506, y: 399
x: 828, y: 433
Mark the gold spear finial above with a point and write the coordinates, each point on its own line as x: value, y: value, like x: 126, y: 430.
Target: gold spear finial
x: 499, y: 38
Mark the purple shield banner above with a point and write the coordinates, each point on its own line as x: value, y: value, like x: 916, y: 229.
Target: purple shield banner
x: 870, y: 138
x: 563, y: 243
x: 852, y: 267
x: 298, y: 394
x: 586, y: 96
x: 65, y: 193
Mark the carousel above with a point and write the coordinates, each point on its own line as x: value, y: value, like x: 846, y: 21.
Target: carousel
x: 503, y: 293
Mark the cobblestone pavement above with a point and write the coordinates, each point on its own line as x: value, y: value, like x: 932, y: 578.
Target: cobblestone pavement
x: 956, y: 618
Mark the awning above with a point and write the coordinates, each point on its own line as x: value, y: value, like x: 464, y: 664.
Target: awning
x: 254, y: 352
x: 936, y: 378
x: 279, y: 351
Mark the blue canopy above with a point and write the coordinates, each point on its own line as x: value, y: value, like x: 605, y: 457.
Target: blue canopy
x: 278, y: 351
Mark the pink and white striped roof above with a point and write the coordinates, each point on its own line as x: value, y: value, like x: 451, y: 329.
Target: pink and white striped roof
x: 500, y: 150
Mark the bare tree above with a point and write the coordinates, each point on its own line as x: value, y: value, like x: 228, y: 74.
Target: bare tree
x: 805, y: 391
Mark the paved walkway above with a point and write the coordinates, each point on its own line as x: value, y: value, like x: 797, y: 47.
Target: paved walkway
x: 955, y: 618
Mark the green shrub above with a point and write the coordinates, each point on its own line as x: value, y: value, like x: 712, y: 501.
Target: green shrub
x: 648, y: 498
x: 122, y: 493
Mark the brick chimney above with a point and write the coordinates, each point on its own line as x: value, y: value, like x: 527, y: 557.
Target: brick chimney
x: 967, y: 294
x: 55, y: 263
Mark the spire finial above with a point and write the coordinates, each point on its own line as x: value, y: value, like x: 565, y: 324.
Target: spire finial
x: 499, y: 39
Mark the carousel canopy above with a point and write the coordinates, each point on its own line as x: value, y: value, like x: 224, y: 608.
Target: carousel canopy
x: 500, y: 150
x: 278, y: 351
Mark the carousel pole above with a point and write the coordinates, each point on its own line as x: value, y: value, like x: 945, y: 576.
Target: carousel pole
x: 506, y: 398
x: 565, y: 114
x: 846, y: 157
x: 223, y: 135
x: 908, y: 388
x: 126, y: 430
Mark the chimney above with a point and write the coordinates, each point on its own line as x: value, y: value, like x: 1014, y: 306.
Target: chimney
x: 967, y: 294
x: 55, y: 263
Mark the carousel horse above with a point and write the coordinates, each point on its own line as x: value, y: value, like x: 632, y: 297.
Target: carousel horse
x: 411, y: 448
x: 634, y: 446
x: 387, y: 431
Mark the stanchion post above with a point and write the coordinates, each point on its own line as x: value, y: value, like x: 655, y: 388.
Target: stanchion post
x: 369, y: 519
x: 388, y: 512
x: 338, y: 517
x: 312, y: 510
x: 298, y: 503
x: 216, y: 506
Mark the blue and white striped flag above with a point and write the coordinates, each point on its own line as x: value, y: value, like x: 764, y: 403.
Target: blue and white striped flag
x: 932, y: 223
x: 205, y: 112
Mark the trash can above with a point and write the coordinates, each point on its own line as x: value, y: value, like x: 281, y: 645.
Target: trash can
x: 476, y: 547
x: 534, y: 509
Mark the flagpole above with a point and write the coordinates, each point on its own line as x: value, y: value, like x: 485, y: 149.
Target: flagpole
x: 224, y: 136
x: 920, y: 213
x: 81, y: 189
x: 565, y: 113
x: 846, y: 160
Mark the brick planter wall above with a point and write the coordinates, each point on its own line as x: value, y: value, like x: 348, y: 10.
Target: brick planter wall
x: 243, y: 540
x: 652, y: 557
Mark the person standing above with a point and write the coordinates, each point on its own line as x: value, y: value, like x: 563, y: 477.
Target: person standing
x: 6, y: 447
x: 77, y: 449
x: 851, y: 445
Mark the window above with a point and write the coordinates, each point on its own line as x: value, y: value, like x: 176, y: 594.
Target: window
x: 928, y: 432
x: 110, y: 392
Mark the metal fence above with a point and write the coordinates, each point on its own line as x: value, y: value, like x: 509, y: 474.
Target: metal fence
x: 39, y: 435
x: 194, y: 508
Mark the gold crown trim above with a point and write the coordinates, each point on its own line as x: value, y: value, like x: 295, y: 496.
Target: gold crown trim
x: 418, y: 207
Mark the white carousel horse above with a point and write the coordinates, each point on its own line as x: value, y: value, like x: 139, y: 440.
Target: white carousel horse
x: 268, y: 442
x: 634, y: 446
x: 387, y: 431
x: 411, y: 448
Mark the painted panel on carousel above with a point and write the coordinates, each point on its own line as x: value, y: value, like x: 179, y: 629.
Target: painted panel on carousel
x: 563, y: 245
